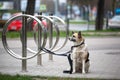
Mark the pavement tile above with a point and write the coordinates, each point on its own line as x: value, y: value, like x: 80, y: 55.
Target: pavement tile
x: 103, y: 64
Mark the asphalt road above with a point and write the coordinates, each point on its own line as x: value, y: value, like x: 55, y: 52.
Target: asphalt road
x: 103, y: 43
x: 82, y: 27
x: 79, y: 27
x: 94, y: 43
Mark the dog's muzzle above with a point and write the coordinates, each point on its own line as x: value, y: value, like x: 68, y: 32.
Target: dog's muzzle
x: 72, y: 39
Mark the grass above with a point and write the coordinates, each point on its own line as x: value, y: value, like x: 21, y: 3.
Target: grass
x: 16, y: 77
x: 82, y: 22
x: 25, y: 77
x: 14, y: 34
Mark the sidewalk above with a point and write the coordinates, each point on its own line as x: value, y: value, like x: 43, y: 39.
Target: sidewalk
x: 104, y: 63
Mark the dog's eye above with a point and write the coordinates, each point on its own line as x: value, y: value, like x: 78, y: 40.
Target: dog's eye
x: 73, y: 36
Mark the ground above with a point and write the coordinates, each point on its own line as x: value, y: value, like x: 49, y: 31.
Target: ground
x: 104, y: 59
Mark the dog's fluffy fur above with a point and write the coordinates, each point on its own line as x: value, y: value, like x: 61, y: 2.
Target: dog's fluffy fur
x: 79, y: 61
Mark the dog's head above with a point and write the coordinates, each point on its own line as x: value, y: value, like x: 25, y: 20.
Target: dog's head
x: 76, y: 37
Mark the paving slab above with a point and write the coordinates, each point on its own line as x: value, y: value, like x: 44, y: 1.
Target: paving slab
x: 104, y: 62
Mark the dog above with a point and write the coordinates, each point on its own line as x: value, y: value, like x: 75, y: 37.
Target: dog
x: 79, y: 57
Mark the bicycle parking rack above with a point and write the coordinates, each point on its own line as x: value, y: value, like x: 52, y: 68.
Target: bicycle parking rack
x: 40, y: 37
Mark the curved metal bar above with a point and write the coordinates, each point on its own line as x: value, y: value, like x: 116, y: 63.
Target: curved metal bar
x: 57, y: 37
x: 57, y: 31
x: 5, y: 42
x: 67, y: 33
x: 61, y: 20
x: 56, y: 42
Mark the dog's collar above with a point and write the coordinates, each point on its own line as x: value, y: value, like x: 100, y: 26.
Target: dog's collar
x: 77, y: 45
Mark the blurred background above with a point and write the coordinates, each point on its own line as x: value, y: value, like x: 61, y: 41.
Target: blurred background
x: 97, y: 11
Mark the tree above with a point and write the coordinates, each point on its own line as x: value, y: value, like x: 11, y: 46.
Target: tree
x: 113, y: 6
x: 100, y: 15
x: 30, y: 10
x: 17, y: 4
x: 30, y: 7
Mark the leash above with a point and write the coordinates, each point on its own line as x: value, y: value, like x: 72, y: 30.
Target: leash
x: 62, y: 54
x: 77, y: 45
x: 67, y: 54
x: 50, y: 52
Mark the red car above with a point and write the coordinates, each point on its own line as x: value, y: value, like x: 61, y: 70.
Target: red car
x: 16, y: 25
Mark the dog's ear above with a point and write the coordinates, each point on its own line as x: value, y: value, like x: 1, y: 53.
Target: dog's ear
x: 72, y: 32
x: 79, y: 34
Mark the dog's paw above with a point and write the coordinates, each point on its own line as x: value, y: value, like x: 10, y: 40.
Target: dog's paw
x: 83, y: 72
x: 74, y: 71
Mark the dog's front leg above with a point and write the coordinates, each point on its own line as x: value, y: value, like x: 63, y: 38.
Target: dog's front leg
x: 83, y: 66
x: 74, y: 65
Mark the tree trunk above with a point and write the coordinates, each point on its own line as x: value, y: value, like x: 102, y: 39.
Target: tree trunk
x: 17, y: 4
x: 30, y: 7
x: 30, y: 10
x: 113, y: 6
x: 100, y: 15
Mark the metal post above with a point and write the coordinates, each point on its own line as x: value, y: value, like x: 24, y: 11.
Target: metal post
x: 24, y: 44
x: 107, y: 20
x: 50, y: 38
x: 67, y: 18
x: 88, y: 19
x: 56, y: 3
x: 39, y: 57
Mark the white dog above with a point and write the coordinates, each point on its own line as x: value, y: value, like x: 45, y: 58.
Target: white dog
x: 79, y: 58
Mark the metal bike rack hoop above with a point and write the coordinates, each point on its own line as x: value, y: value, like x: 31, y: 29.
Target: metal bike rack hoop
x: 57, y: 31
x: 13, y: 54
x: 67, y: 32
